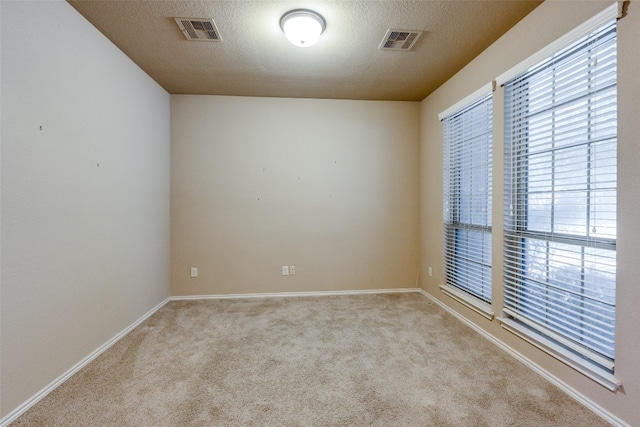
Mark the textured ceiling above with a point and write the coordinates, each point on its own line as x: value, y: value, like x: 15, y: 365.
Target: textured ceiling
x: 255, y: 58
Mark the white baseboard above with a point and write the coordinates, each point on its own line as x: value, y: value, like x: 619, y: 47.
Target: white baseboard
x: 295, y: 294
x: 588, y: 403
x: 13, y: 415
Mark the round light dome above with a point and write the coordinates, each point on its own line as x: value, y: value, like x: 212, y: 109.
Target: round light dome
x: 302, y: 27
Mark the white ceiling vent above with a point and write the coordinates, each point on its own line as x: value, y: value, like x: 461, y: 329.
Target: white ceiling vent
x: 399, y: 39
x: 199, y: 29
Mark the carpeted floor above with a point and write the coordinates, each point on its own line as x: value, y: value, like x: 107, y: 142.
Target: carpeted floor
x: 358, y: 360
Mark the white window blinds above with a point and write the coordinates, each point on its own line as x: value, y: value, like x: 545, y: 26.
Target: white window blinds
x: 467, y: 198
x: 560, y: 197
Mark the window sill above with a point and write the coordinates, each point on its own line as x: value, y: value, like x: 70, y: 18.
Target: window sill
x: 480, y: 307
x: 550, y: 347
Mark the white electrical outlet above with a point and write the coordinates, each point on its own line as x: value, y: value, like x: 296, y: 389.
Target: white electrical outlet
x: 194, y: 271
x: 285, y: 270
x: 430, y: 272
x: 292, y: 270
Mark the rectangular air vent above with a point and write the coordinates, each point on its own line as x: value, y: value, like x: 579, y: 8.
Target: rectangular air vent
x: 399, y: 39
x: 199, y: 29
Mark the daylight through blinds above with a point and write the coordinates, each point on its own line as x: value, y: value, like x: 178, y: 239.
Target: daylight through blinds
x: 467, y: 198
x: 560, y: 197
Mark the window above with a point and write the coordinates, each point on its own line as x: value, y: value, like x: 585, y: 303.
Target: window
x: 467, y: 198
x: 560, y: 199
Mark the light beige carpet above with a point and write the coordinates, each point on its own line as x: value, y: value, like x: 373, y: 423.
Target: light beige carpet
x: 363, y: 360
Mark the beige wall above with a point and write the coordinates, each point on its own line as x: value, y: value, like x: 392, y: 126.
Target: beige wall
x: 85, y: 249
x: 545, y: 24
x: 328, y: 186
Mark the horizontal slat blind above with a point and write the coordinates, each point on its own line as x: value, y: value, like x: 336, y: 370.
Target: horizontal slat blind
x: 560, y: 194
x: 467, y: 198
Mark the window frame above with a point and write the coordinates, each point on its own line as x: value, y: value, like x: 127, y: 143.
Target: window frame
x: 516, y: 195
x: 452, y: 223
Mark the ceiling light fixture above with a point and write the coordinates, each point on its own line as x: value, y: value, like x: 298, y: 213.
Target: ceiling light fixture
x: 302, y: 27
